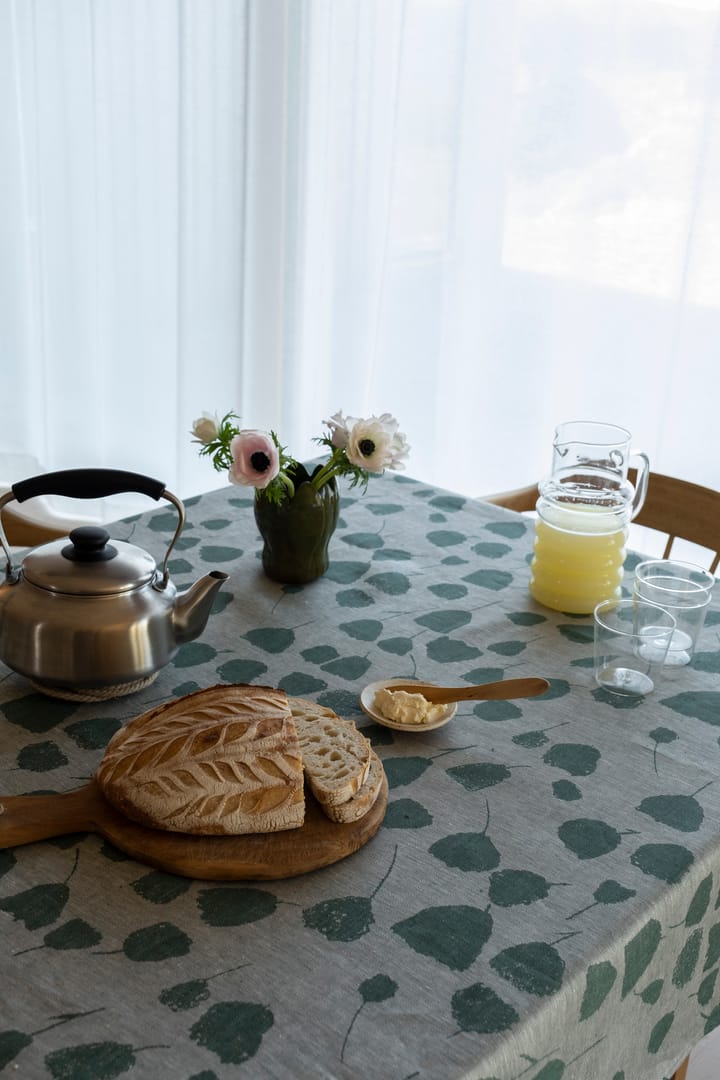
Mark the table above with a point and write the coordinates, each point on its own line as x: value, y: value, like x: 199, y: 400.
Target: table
x: 542, y: 900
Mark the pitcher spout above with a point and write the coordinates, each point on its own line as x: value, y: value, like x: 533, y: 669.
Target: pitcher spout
x: 192, y: 607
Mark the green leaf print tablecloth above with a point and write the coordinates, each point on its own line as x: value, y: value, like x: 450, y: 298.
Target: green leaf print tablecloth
x: 542, y: 901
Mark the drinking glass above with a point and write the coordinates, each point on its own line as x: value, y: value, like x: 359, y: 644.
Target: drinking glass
x: 631, y: 643
x: 683, y: 589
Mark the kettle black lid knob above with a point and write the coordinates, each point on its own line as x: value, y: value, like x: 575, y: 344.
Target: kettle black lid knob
x: 89, y: 543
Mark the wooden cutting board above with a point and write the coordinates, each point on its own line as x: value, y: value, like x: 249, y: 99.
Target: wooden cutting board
x: 25, y: 819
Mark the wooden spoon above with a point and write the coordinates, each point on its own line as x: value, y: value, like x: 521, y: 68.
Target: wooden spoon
x: 493, y: 691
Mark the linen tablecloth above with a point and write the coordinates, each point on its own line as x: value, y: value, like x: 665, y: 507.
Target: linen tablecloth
x: 541, y: 900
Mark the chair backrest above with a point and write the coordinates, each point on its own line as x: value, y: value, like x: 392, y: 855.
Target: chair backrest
x: 678, y: 508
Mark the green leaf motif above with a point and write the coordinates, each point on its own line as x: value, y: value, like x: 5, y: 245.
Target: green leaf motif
x: 508, y: 648
x: 348, y: 667
x: 378, y: 988
x: 713, y: 949
x: 706, y: 990
x: 235, y: 906
x: 38, y: 906
x: 100, y: 1060
x: 161, y: 888
x: 453, y: 935
x: 445, y: 650
x: 477, y: 776
x: 639, y: 951
x: 446, y: 538
x: 651, y: 994
x: 36, y: 713
x: 699, y: 704
x: 687, y: 960
x: 193, y: 653
x: 75, y: 934
x: 668, y: 862
x: 612, y: 892
x: 271, y: 639
x: 495, y: 580
x: 11, y: 1043
x: 233, y: 1030
x: 363, y: 629
x: 681, y: 812
x: 577, y: 634
x: 397, y: 646
x: 392, y: 584
x: 241, y: 671
x: 344, y: 919
x: 712, y: 1021
x: 366, y: 541
x: 659, y: 1031
x: 299, y: 684
x: 566, y: 790
x: 443, y: 622
x: 354, y: 598
x: 41, y: 757
x: 401, y: 771
x: 155, y: 943
x: 700, y: 902
x: 512, y: 530
x: 406, y: 814
x: 93, y: 734
x: 588, y: 838
x: 478, y: 1008
x: 187, y: 995
x: 551, y: 1070
x: 346, y: 572
x: 578, y: 759
x: 496, y: 712
x: 489, y: 550
x: 511, y: 887
x: 467, y: 851
x: 534, y: 967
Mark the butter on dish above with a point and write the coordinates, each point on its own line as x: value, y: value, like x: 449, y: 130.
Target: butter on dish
x: 406, y: 708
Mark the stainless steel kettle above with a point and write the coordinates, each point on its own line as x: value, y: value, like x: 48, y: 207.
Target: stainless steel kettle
x: 90, y: 617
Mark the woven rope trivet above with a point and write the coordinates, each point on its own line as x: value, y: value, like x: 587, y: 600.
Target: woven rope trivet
x: 101, y: 693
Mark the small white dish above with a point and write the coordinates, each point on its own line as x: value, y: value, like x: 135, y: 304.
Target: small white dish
x: 367, y: 703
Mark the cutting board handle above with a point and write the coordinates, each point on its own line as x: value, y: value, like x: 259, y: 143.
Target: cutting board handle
x: 27, y: 818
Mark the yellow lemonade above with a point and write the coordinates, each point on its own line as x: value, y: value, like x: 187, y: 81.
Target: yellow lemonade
x: 579, y: 557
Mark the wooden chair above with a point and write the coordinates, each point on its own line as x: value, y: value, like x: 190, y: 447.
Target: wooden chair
x: 678, y: 508
x: 23, y: 532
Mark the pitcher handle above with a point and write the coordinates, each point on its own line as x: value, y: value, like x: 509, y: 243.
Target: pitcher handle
x: 641, y: 480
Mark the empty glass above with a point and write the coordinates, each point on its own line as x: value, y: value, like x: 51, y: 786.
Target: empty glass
x: 631, y: 643
x: 683, y: 589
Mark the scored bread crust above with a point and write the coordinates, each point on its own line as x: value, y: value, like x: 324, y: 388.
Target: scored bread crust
x: 336, y: 755
x: 225, y: 760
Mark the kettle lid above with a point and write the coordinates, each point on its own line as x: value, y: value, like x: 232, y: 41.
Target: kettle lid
x: 88, y: 565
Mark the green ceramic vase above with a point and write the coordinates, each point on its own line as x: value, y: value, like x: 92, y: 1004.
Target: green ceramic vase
x: 296, y: 533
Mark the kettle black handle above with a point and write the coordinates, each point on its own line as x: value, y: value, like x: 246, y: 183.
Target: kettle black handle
x: 87, y: 484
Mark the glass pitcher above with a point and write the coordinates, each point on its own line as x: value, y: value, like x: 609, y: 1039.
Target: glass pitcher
x: 579, y: 445
x: 583, y: 514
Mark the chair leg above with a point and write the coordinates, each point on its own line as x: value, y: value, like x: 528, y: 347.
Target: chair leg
x: 681, y: 1071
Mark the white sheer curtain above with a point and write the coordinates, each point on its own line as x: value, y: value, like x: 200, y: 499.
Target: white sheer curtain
x: 485, y: 216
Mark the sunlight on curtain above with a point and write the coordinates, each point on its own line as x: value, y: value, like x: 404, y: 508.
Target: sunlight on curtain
x: 510, y: 218
x: 484, y: 217
x: 122, y: 141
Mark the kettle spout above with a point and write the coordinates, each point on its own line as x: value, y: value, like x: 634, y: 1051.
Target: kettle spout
x: 192, y: 607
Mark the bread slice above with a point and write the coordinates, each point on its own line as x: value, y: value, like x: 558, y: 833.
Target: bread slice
x: 336, y: 756
x: 359, y: 805
x: 225, y: 760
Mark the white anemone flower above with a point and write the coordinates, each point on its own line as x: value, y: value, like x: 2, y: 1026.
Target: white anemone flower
x: 376, y: 444
x: 205, y: 429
